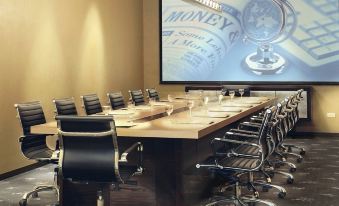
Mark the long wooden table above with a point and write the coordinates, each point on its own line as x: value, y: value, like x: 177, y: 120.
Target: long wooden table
x: 153, y: 123
x: 173, y: 145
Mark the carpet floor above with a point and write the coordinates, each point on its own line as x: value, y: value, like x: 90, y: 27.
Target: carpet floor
x: 316, y: 179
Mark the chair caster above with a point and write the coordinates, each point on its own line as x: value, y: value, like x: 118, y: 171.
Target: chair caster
x: 300, y: 160
x: 282, y: 195
x: 289, y: 149
x: 35, y: 195
x: 293, y: 169
x: 256, y: 194
x: 290, y: 180
x: 302, y: 152
x: 270, y: 174
x: 265, y: 189
x: 251, y: 204
x: 23, y: 202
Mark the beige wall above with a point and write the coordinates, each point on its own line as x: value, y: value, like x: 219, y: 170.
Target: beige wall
x: 325, y: 98
x: 51, y: 49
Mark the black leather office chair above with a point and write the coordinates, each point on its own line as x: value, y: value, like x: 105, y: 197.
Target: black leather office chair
x: 116, y: 100
x: 34, y: 146
x: 292, y: 111
x: 153, y: 93
x: 91, y: 104
x: 277, y: 137
x: 65, y: 106
x: 224, y: 162
x: 90, y: 152
x: 137, y: 97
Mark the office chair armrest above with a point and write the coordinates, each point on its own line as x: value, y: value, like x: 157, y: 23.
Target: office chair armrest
x: 282, y: 116
x: 241, y: 155
x: 136, y: 146
x: 243, y: 131
x: 256, y: 119
x: 289, y: 109
x: 235, y: 141
x: 22, y: 137
x: 230, y: 134
x: 249, y: 126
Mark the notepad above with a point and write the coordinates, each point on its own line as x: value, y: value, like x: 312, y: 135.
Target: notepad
x: 246, y: 105
x: 211, y: 114
x: 191, y: 121
x: 142, y: 107
x: 124, y: 124
x: 225, y: 109
x: 120, y: 112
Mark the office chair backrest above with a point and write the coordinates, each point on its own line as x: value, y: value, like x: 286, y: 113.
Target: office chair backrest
x: 137, y: 97
x: 30, y: 114
x: 265, y: 131
x: 89, y: 148
x: 91, y: 104
x: 116, y: 100
x: 33, y: 146
x: 281, y: 125
x: 65, y: 106
x: 153, y: 93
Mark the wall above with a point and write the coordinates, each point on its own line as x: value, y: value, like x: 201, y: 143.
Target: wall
x: 52, y: 49
x: 324, y: 98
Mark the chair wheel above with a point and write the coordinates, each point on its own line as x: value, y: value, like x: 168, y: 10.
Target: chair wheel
x: 256, y: 194
x: 293, y: 169
x: 302, y: 152
x: 282, y: 195
x: 265, y: 189
x: 35, y: 195
x: 23, y: 202
x: 270, y: 174
x: 300, y: 160
x: 290, y: 180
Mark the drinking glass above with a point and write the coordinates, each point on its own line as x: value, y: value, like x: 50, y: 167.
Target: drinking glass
x: 224, y: 92
x: 241, y: 91
x: 206, y: 99
x: 170, y: 98
x: 151, y: 101
x: 220, y: 97
x: 232, y: 93
x: 106, y: 109
x: 169, y: 109
x: 190, y: 105
x: 130, y: 105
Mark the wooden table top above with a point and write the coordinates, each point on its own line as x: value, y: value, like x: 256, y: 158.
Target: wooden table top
x: 153, y: 123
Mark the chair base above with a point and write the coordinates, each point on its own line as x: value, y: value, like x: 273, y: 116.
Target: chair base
x: 241, y: 201
x: 35, y: 193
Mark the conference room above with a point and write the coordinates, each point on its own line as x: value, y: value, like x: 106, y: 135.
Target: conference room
x: 169, y: 103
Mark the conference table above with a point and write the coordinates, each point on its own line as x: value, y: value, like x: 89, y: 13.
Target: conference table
x: 173, y: 145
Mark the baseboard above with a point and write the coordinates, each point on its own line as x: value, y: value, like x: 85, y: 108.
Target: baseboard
x: 313, y: 134
x: 21, y: 170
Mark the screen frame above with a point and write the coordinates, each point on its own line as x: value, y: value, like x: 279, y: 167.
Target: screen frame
x: 225, y: 82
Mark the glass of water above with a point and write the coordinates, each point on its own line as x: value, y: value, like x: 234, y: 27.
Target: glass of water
x: 231, y: 93
x: 190, y: 105
x: 169, y: 109
x: 241, y: 91
x: 170, y: 98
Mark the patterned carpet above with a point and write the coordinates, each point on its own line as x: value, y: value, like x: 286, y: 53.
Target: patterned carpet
x: 316, y: 179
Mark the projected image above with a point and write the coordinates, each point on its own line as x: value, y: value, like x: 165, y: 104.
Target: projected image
x: 250, y: 41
